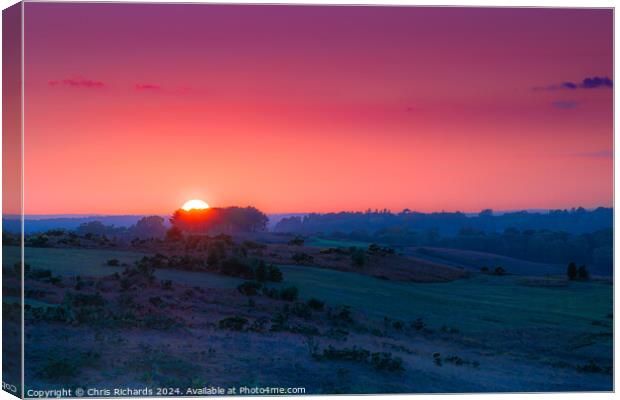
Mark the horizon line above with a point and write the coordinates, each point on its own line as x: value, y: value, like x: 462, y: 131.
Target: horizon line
x: 88, y: 215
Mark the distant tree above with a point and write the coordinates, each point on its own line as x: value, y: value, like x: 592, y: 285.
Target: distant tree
x: 486, y: 213
x: 571, y: 271
x: 149, y: 227
x: 582, y: 273
x: 220, y: 220
x: 297, y: 241
x: 500, y: 271
x: 92, y: 227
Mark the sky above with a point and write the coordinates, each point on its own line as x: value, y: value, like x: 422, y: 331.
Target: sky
x: 136, y: 108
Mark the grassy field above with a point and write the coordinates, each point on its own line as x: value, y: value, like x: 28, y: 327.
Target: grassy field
x: 480, y: 303
x: 476, y: 304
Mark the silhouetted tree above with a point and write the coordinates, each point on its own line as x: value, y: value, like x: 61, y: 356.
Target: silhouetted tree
x: 220, y: 220
x: 571, y: 271
x: 93, y: 227
x: 149, y: 227
x: 582, y: 273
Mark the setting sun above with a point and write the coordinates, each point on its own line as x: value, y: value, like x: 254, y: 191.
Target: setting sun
x: 195, y: 205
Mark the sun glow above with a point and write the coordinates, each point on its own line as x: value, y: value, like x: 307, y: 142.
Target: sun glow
x: 195, y: 205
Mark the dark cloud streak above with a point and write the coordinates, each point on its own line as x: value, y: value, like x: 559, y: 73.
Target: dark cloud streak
x: 595, y: 82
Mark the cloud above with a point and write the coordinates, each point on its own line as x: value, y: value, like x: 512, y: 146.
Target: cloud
x: 147, y: 86
x: 596, y: 154
x: 77, y: 82
x: 565, y: 104
x: 595, y: 82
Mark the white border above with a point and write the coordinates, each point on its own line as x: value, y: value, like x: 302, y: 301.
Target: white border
x: 468, y: 3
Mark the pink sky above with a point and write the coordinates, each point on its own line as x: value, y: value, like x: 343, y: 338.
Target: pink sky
x: 137, y: 108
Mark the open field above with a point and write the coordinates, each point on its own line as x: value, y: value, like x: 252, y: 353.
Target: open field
x: 492, y: 332
x: 475, y: 304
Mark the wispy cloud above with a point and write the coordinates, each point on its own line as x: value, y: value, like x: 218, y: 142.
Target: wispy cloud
x: 78, y: 83
x: 595, y: 82
x: 565, y: 104
x: 147, y: 86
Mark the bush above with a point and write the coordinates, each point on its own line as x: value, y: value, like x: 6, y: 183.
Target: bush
x: 571, y: 271
x: 358, y: 257
x: 344, y: 315
x: 380, y: 361
x: 113, y: 262
x: 591, y: 366
x: 274, y: 274
x: 156, y: 301
x: 315, y: 304
x: 297, y: 241
x: 500, y: 271
x: 249, y: 288
x: 234, y: 267
x: 418, y: 324
x: 302, y: 258
x: 233, y: 323
x: 289, y: 293
x: 583, y: 274
x: 385, y: 362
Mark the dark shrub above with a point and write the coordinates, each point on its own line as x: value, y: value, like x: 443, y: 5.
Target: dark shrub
x: 398, y: 325
x: 418, y: 324
x: 289, y: 293
x: 385, y: 362
x: 344, y: 315
x: 234, y: 267
x: 297, y: 241
x: 571, y: 271
x: 315, y: 304
x: 249, y: 288
x: 591, y: 366
x: 274, y: 274
x: 448, y: 329
x: 582, y: 273
x: 302, y: 258
x: 113, y: 262
x: 156, y: 301
x: 500, y: 271
x: 358, y: 257
x: 233, y: 323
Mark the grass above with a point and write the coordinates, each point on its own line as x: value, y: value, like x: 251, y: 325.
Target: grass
x: 475, y: 304
x: 91, y: 262
x: 323, y: 242
x: 480, y: 303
